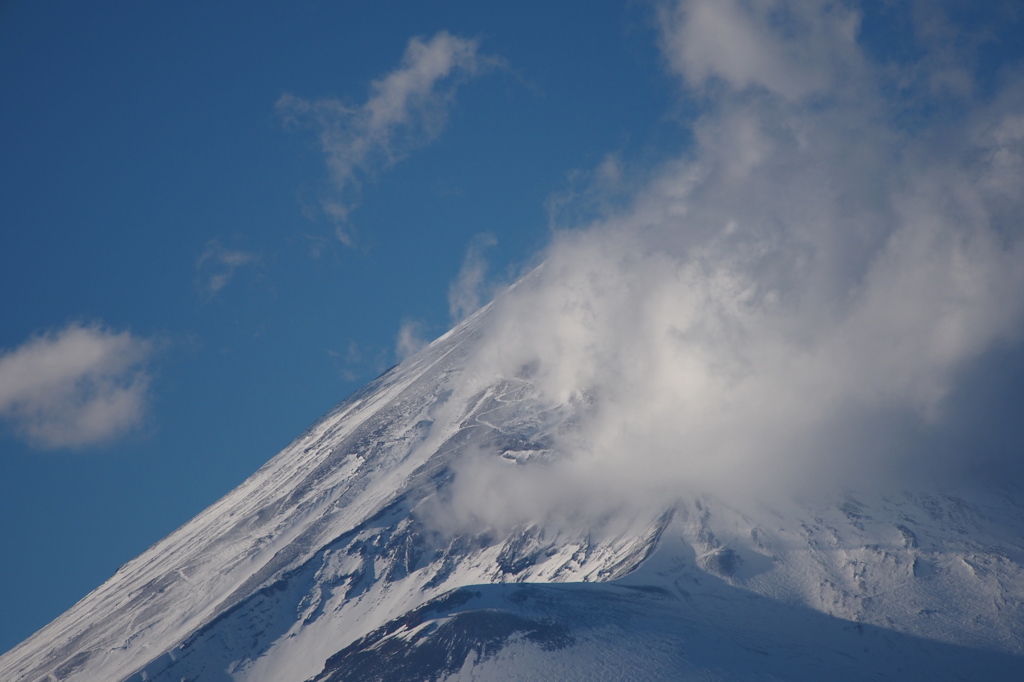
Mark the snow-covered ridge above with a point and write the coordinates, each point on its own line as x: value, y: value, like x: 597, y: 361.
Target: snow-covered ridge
x: 330, y: 552
x: 271, y: 522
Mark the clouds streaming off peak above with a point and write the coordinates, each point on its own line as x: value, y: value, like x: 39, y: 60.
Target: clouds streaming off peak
x: 80, y: 386
x: 791, y: 49
x: 790, y: 303
x: 470, y: 288
x: 410, y: 339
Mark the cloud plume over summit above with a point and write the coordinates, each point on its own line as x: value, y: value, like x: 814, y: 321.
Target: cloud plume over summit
x: 794, y: 299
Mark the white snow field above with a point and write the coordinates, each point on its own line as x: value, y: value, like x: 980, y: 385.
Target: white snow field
x: 331, y: 563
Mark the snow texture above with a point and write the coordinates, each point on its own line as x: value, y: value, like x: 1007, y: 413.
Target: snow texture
x: 334, y: 562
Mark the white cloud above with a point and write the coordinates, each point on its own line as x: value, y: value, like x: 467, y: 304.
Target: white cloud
x: 591, y: 194
x: 80, y: 386
x: 789, y: 48
x: 406, y: 109
x: 788, y: 305
x: 410, y: 339
x: 469, y: 290
x: 355, y: 362
x: 217, y: 266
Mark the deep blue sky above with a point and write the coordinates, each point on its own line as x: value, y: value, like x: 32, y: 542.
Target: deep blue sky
x: 136, y: 136
x: 143, y: 155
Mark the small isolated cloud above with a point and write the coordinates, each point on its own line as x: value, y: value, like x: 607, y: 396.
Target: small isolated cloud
x: 406, y: 109
x: 410, y: 339
x: 467, y: 293
x: 216, y: 267
x: 80, y: 386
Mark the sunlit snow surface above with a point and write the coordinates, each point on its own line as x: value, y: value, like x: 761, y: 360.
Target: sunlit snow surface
x: 324, y: 565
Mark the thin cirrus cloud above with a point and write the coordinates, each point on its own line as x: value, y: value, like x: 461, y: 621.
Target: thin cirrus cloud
x: 80, y: 386
x: 793, y: 303
x: 466, y: 293
x: 217, y: 266
x: 410, y: 339
x: 470, y: 288
x: 406, y: 109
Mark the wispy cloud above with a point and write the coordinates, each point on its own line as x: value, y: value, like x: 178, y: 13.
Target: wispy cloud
x: 791, y: 49
x: 79, y: 386
x: 410, y: 339
x: 406, y: 109
x: 791, y: 303
x: 361, y: 362
x: 216, y: 267
x: 469, y: 289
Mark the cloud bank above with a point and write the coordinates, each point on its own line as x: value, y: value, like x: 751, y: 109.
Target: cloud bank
x: 406, y: 109
x: 80, y: 386
x: 793, y: 302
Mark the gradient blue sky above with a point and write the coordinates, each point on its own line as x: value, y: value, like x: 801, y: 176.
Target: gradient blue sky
x: 139, y: 136
x: 161, y: 206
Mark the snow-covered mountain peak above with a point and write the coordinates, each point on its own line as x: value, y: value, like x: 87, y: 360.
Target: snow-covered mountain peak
x: 362, y: 552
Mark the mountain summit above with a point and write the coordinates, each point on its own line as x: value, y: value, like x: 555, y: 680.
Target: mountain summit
x: 756, y: 416
x: 354, y: 555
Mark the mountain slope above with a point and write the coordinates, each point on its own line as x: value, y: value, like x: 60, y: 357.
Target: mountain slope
x: 335, y: 561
